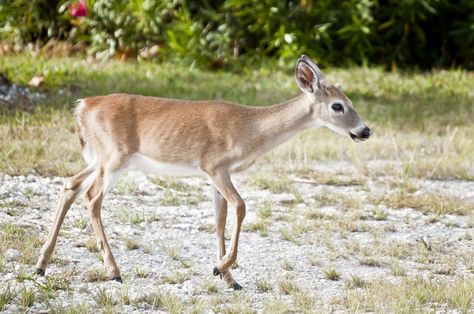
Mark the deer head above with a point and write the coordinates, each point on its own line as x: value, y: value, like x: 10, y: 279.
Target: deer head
x: 331, y: 108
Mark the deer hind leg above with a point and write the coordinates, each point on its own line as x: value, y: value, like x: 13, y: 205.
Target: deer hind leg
x: 223, y: 184
x: 220, y: 210
x: 71, y: 189
x: 93, y: 197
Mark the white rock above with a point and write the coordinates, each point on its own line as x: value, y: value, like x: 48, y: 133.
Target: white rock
x: 12, y: 254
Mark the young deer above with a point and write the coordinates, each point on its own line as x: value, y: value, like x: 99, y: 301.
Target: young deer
x: 181, y: 137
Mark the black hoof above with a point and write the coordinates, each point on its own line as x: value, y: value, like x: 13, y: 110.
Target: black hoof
x: 117, y: 279
x: 216, y: 271
x: 40, y: 271
x: 236, y: 286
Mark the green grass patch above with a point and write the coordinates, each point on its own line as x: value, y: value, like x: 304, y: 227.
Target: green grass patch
x: 420, y: 120
x: 21, y: 239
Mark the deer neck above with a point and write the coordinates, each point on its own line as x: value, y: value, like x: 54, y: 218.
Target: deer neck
x: 278, y: 123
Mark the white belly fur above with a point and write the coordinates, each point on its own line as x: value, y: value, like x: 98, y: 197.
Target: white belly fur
x: 151, y: 166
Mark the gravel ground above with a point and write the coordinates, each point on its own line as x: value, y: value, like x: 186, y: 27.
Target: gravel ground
x: 162, y: 234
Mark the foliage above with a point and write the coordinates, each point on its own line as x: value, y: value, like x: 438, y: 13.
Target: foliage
x: 422, y: 33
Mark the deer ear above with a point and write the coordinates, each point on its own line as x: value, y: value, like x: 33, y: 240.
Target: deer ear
x: 308, y: 75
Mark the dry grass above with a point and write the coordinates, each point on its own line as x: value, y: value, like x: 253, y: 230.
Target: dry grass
x: 132, y: 244
x: 275, y: 185
x: 7, y: 294
x: 277, y: 306
x: 265, y: 211
x: 91, y: 245
x: 260, y: 226
x: 165, y: 301
x: 21, y: 239
x: 410, y: 295
x: 332, y: 274
x: 303, y: 300
x: 263, y: 285
x: 177, y: 277
x: 96, y: 275
x: 312, y: 176
x: 356, y: 282
x: 104, y: 298
x: 438, y: 203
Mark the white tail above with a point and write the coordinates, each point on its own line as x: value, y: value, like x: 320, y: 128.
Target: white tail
x: 212, y: 138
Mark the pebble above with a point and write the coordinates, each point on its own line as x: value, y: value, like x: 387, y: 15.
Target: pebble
x: 12, y: 254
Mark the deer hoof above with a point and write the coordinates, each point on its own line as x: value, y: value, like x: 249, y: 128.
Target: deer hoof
x: 216, y: 271
x: 40, y: 271
x: 117, y: 279
x: 236, y: 286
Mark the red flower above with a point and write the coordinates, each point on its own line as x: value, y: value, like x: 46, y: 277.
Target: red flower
x: 78, y: 9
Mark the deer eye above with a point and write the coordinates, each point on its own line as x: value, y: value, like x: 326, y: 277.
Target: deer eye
x: 337, y: 107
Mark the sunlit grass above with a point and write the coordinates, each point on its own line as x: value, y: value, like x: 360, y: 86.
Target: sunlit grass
x: 412, y: 295
x: 21, y: 239
x: 420, y: 121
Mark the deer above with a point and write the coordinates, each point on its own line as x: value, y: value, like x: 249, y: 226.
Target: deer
x: 183, y: 137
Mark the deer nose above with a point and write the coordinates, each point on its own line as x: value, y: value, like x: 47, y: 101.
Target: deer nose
x: 365, y: 134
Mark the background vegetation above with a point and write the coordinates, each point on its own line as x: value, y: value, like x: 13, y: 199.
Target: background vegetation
x: 420, y: 33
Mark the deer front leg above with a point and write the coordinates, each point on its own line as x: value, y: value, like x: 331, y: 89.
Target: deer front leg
x: 220, y: 211
x: 224, y: 186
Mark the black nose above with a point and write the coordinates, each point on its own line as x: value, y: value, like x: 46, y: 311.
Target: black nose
x: 365, y: 133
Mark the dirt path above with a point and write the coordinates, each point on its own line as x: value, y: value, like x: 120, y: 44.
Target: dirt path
x: 306, y: 246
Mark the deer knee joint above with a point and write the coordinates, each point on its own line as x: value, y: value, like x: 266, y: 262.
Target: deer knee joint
x: 240, y: 210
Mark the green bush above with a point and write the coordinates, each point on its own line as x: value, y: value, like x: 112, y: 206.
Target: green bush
x: 420, y: 33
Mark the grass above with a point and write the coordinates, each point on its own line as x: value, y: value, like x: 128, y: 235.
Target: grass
x: 398, y: 249
x: 356, y: 282
x: 177, y: 277
x: 396, y: 269
x: 287, y: 265
x: 437, y: 203
x: 91, y: 245
x: 370, y: 261
x: 80, y: 223
x: 26, y: 297
x: 141, y: 272
x: 289, y: 236
x: 288, y: 286
x: 104, y: 298
x: 166, y: 301
x: 21, y: 239
x: 324, y: 178
x: 406, y: 111
x: 332, y: 274
x: 131, y: 244
x: 275, y: 185
x: 210, y: 287
x: 413, y: 295
x: 7, y: 294
x: 260, y: 226
x: 263, y: 285
x: 277, y: 306
x: 266, y: 210
x: 96, y: 275
x: 302, y: 299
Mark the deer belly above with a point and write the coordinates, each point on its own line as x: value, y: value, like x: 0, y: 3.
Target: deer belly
x: 151, y: 166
